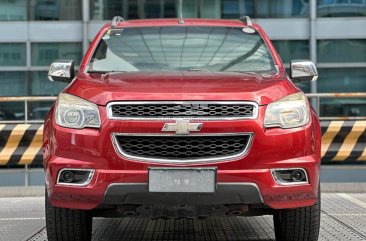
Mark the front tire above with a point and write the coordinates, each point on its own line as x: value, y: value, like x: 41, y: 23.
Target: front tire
x: 65, y: 224
x: 298, y: 224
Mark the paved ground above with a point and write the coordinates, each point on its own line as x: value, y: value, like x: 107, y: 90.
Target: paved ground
x: 343, y: 218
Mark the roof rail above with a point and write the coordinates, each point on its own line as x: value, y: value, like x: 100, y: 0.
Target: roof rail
x: 116, y: 20
x: 246, y: 20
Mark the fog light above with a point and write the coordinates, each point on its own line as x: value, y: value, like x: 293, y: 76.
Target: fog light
x: 75, y: 177
x: 67, y: 176
x: 290, y: 176
x: 296, y: 176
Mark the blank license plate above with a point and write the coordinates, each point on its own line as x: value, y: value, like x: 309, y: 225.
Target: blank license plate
x: 199, y: 180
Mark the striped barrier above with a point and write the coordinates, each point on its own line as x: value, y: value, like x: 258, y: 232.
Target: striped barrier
x: 343, y: 142
x: 21, y: 144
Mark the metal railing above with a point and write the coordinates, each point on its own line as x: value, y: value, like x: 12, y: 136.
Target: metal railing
x: 314, y: 96
x: 26, y: 100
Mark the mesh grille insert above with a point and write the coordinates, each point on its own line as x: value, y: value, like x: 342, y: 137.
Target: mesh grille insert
x: 183, y: 147
x: 182, y: 110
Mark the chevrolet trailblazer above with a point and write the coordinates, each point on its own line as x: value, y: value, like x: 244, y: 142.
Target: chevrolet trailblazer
x: 182, y: 119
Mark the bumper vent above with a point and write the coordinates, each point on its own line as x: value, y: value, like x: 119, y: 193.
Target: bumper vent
x: 180, y: 149
x: 123, y: 110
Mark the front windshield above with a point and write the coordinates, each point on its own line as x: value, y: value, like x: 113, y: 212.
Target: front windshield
x: 192, y: 48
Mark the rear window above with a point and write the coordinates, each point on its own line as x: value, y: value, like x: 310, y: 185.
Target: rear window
x: 182, y: 48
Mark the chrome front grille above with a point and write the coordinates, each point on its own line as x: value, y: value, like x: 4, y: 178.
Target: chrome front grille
x: 182, y: 149
x: 184, y: 109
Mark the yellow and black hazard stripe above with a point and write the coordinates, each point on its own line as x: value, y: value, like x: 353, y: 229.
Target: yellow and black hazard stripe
x: 343, y: 142
x: 21, y: 144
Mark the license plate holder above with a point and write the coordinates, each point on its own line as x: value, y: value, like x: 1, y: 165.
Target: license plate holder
x: 187, y: 180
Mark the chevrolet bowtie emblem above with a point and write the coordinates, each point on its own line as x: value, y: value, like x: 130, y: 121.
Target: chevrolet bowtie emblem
x: 182, y: 127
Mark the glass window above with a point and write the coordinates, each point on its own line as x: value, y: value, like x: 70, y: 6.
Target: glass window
x: 13, y: 83
x: 292, y: 49
x: 282, y: 8
x: 37, y: 110
x: 13, y: 10
x: 264, y: 8
x: 235, y: 8
x: 342, y: 80
x: 55, y: 10
x: 190, y: 8
x: 33, y: 83
x: 107, y: 9
x: 182, y: 48
x: 12, y: 54
x: 334, y: 107
x: 40, y: 85
x: 341, y: 8
x: 160, y: 9
x: 43, y: 54
x: 342, y: 50
x: 11, y: 111
x: 132, y: 9
x: 304, y: 86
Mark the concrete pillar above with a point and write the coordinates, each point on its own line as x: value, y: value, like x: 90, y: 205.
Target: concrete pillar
x: 86, y: 18
x: 312, y: 46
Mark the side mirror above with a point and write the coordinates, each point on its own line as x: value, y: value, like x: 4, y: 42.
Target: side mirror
x: 62, y: 70
x: 303, y: 70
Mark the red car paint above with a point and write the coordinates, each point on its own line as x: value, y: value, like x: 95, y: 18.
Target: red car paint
x: 93, y: 149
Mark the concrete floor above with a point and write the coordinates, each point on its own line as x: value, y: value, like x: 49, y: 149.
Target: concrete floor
x: 343, y: 218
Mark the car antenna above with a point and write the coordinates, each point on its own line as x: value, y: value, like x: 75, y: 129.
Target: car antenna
x: 246, y: 20
x: 116, y: 20
x: 181, y: 20
x: 249, y: 28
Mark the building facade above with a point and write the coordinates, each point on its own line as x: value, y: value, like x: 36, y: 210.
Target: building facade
x: 332, y: 33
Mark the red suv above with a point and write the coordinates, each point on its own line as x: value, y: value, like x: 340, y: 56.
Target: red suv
x: 182, y: 118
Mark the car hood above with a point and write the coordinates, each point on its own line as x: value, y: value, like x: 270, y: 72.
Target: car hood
x: 132, y: 86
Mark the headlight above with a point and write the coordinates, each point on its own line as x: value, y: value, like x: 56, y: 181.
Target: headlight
x: 74, y: 112
x: 289, y: 112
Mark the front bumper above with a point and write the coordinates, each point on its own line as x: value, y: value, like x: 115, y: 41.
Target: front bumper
x: 234, y: 187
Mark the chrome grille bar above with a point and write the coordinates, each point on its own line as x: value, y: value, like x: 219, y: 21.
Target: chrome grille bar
x: 158, y: 110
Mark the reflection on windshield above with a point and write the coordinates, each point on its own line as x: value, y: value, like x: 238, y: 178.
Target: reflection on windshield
x: 181, y: 49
